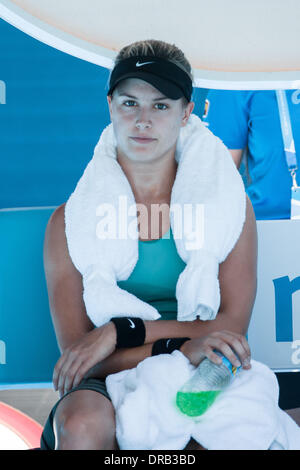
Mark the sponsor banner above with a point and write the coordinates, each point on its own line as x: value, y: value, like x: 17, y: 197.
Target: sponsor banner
x: 274, y: 332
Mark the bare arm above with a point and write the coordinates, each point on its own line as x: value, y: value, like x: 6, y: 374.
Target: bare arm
x: 237, y: 156
x: 64, y: 285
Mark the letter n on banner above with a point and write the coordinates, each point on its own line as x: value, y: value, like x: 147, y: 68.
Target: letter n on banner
x: 284, y: 289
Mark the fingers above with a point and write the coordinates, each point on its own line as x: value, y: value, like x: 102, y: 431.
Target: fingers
x: 232, y: 345
x: 56, y: 372
x: 68, y: 368
x: 212, y: 356
x: 239, y: 346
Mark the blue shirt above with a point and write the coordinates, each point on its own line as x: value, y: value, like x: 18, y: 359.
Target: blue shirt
x: 251, y: 118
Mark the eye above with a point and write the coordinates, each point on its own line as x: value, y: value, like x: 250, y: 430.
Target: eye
x: 161, y: 106
x: 129, y: 103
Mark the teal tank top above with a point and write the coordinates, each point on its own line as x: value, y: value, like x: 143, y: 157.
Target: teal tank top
x: 155, y: 275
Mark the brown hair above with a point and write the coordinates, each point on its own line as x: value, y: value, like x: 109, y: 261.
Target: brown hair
x: 153, y: 47
x: 156, y: 48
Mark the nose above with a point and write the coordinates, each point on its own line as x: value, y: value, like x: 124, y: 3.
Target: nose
x: 143, y: 121
x: 143, y: 125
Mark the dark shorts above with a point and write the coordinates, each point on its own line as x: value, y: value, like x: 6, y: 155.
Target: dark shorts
x: 48, y: 437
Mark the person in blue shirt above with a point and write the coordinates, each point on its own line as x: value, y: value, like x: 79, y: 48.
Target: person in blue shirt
x: 249, y: 120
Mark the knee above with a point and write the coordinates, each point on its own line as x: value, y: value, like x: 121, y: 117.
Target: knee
x: 81, y: 430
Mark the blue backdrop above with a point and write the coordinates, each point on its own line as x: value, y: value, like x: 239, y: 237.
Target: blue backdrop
x: 54, y: 112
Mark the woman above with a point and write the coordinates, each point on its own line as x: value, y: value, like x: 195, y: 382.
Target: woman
x: 148, y: 111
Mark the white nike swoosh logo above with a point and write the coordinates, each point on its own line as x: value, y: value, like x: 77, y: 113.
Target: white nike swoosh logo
x: 143, y: 63
x: 168, y: 342
x: 132, y: 325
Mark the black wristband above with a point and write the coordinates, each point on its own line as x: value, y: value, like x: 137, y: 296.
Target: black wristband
x: 167, y: 345
x: 131, y: 332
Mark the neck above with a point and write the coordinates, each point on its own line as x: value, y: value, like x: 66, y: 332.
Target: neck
x: 150, y: 180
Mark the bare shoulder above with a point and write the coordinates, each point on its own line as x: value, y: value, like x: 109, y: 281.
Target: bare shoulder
x: 242, y: 260
x: 249, y: 232
x: 57, y: 219
x: 56, y: 253
x: 246, y: 246
x: 55, y: 231
x: 250, y: 216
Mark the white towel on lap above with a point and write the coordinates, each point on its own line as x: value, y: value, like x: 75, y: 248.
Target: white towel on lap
x: 207, y: 176
x: 245, y: 416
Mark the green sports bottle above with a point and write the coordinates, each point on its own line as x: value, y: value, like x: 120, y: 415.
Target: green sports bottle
x: 207, y: 382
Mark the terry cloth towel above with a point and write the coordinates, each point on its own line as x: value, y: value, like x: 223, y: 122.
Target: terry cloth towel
x: 208, y: 191
x: 245, y: 416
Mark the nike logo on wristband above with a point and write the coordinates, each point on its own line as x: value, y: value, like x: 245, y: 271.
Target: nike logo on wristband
x: 132, y: 325
x: 167, y: 343
x: 138, y: 64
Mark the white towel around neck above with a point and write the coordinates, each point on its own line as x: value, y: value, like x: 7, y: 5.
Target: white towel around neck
x: 206, y: 177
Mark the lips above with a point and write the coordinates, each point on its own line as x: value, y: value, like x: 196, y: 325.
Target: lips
x: 142, y: 140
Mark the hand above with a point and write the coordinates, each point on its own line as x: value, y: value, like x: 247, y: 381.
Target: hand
x: 232, y: 345
x: 85, y: 353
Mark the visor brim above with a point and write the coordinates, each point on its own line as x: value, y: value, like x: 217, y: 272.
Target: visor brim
x: 169, y: 89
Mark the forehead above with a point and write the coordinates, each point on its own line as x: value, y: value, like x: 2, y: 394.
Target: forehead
x: 136, y: 86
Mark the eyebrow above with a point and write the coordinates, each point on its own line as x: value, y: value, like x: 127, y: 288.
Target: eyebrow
x: 135, y: 98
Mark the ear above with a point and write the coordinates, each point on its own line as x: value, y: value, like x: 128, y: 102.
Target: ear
x: 187, y: 112
x: 109, y: 102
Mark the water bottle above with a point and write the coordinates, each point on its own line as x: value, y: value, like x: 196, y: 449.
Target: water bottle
x: 207, y: 382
